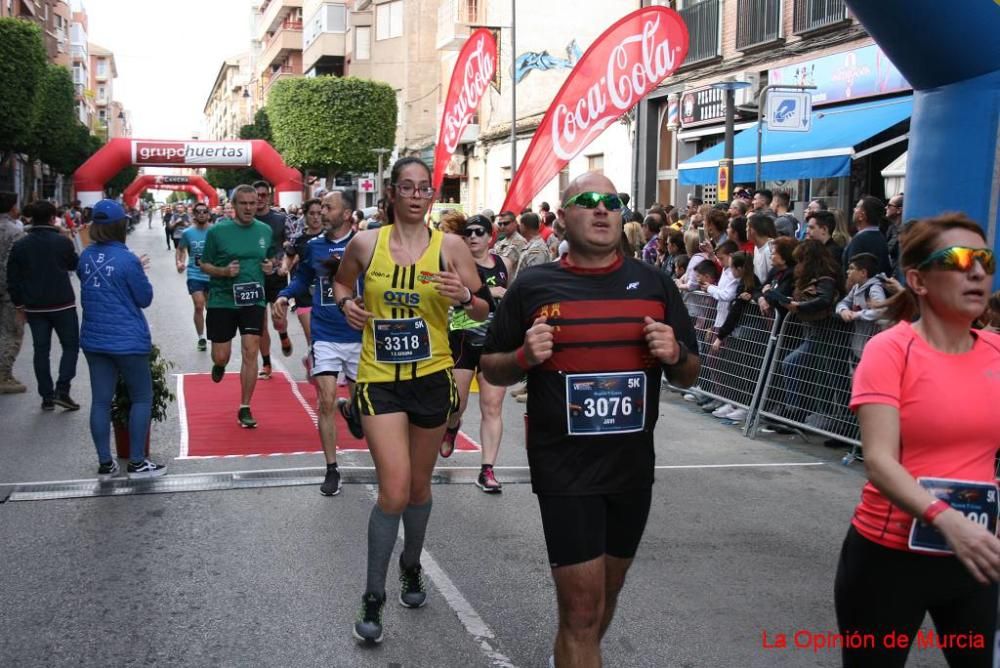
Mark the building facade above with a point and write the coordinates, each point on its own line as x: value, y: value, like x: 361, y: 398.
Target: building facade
x: 859, y: 118
x: 276, y: 45
x: 228, y: 107
x: 53, y: 17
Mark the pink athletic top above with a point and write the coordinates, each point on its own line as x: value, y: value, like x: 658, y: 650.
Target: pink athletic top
x: 949, y: 416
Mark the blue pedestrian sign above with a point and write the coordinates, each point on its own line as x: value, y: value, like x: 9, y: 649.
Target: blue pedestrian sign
x: 789, y: 111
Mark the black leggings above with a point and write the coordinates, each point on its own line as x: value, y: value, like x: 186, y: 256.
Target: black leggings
x: 882, y: 592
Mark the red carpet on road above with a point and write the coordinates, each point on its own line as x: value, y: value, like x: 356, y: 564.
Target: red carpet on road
x: 285, y: 420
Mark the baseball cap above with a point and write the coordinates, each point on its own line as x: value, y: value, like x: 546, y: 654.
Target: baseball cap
x: 107, y: 211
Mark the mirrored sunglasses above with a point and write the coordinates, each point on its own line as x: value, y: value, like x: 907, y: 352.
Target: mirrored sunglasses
x: 590, y: 200
x: 960, y: 258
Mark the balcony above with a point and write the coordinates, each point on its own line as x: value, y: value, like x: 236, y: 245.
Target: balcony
x: 702, y: 20
x: 78, y: 52
x: 758, y: 23
x: 326, y: 45
x: 277, y: 45
x: 817, y: 14
x: 273, y: 13
x: 455, y: 18
x: 285, y: 71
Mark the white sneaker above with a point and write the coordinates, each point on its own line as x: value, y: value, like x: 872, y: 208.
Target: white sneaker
x: 739, y: 414
x: 723, y: 411
x: 691, y: 396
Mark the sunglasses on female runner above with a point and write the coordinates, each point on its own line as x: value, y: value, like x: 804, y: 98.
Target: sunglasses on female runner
x: 961, y: 258
x: 477, y: 231
x: 590, y: 200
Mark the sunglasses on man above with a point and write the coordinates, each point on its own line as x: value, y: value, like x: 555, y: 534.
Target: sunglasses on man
x: 590, y: 200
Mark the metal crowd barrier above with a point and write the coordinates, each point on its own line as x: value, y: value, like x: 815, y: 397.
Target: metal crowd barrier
x: 782, y: 370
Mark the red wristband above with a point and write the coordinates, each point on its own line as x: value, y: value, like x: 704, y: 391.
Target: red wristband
x: 933, y: 511
x: 522, y: 359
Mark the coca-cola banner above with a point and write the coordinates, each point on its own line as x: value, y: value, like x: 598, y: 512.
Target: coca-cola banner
x: 474, y: 70
x: 625, y: 63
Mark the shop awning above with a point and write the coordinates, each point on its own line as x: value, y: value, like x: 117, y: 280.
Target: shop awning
x: 895, y: 175
x: 825, y: 151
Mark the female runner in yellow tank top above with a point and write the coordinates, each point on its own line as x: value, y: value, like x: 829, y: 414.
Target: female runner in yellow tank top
x: 405, y: 390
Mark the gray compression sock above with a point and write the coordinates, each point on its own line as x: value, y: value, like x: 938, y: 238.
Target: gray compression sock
x: 382, y: 531
x: 414, y: 528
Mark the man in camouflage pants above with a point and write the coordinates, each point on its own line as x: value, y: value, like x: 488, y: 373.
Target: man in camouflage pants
x: 11, y: 325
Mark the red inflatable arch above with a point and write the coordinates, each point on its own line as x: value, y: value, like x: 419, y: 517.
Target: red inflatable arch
x: 89, y: 180
x: 194, y: 190
x: 197, y: 185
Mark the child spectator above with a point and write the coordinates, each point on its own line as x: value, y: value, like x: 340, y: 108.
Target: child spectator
x: 738, y: 365
x: 681, y: 263
x: 864, y: 300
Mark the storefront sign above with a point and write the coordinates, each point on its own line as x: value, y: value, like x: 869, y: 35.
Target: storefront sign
x: 850, y: 75
x: 703, y: 105
x: 623, y: 65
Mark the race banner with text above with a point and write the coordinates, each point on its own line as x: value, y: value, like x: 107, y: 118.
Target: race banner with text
x: 624, y: 64
x: 191, y: 153
x: 474, y: 70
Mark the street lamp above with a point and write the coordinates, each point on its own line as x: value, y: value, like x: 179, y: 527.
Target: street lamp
x: 378, y: 181
x: 730, y: 86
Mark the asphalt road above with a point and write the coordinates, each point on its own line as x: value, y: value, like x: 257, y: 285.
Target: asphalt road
x: 742, y: 540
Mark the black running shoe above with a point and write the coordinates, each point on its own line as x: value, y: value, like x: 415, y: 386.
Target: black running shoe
x: 217, y: 373
x: 413, y: 593
x: 107, y: 470
x: 65, y: 401
x: 145, y: 469
x: 351, y: 417
x: 331, y: 483
x: 202, y: 345
x: 286, y: 345
x: 245, y: 418
x: 368, y: 627
x: 48, y: 405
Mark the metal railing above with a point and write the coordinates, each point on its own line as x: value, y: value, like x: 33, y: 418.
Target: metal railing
x: 757, y: 22
x: 815, y: 14
x: 702, y: 21
x: 781, y: 370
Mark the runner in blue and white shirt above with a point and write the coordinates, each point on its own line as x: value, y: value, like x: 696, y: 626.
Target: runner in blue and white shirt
x: 190, y: 246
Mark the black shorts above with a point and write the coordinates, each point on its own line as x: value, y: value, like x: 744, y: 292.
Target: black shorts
x: 581, y: 528
x: 463, y: 352
x: 427, y: 401
x: 221, y: 323
x: 273, y: 284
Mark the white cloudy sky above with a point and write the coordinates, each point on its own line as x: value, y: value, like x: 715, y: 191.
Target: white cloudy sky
x: 168, y: 53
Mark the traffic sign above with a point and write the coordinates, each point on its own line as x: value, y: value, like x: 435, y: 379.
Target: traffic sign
x: 789, y: 111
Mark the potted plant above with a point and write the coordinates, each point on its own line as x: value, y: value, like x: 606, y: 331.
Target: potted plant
x: 121, y: 403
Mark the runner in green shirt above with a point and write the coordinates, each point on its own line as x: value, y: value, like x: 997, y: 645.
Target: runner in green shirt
x: 237, y: 257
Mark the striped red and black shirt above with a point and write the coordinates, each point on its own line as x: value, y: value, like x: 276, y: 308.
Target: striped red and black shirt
x: 598, y: 317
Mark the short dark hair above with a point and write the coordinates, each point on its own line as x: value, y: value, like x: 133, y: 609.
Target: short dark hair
x: 653, y: 223
x: 42, y: 212
x: 624, y: 198
x: 7, y: 201
x: 784, y: 199
x: 544, y: 206
x: 717, y: 219
x: 765, y: 193
x: 102, y: 233
x: 348, y: 197
x: 785, y: 247
x: 762, y: 225
x: 308, y: 203
x: 507, y: 214
x: 728, y: 247
x: 707, y: 268
x: 874, y: 209
x: 261, y: 183
x: 697, y: 201
x: 530, y: 221
x: 825, y: 219
x: 866, y: 262
x: 682, y: 260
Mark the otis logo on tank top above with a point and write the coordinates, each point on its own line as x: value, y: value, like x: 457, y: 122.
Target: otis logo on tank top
x: 401, y: 298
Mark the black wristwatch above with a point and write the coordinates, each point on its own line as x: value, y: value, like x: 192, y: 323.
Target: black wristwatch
x: 341, y: 302
x: 467, y: 301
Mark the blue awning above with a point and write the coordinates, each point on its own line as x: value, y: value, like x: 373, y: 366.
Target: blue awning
x: 823, y: 152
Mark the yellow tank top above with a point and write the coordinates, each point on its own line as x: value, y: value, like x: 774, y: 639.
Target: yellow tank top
x: 408, y: 336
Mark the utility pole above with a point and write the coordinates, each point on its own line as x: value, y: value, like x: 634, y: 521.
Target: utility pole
x: 378, y: 180
x: 513, y: 89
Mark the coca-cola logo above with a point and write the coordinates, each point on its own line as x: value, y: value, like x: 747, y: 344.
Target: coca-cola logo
x: 636, y: 65
x: 479, y: 71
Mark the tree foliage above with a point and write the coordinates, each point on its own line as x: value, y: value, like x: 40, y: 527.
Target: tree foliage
x: 331, y: 124
x: 227, y: 179
x: 55, y: 121
x: 22, y: 67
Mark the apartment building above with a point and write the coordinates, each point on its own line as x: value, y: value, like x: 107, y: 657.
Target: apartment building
x: 110, y: 118
x: 80, y: 65
x: 860, y: 104
x: 276, y: 46
x: 229, y: 103
x: 53, y: 17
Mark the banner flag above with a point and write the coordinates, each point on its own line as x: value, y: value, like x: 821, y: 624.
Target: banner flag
x: 621, y: 67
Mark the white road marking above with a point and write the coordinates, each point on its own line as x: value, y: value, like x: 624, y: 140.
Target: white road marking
x: 182, y: 412
x: 474, y: 625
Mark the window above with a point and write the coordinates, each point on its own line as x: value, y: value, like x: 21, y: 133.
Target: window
x: 595, y: 163
x: 389, y: 20
x: 102, y: 67
x: 336, y: 18
x: 362, y: 43
x: 101, y: 93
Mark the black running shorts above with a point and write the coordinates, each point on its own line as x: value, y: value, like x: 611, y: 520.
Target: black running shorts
x: 273, y: 284
x: 221, y: 323
x: 463, y: 352
x: 427, y: 401
x: 581, y: 528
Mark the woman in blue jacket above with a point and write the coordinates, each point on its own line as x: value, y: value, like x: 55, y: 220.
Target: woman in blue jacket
x: 115, y: 337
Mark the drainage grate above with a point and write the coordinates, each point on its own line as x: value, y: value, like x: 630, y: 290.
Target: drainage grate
x: 210, y: 482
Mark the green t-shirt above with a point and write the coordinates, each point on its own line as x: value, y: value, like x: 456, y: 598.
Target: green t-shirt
x: 251, y: 244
